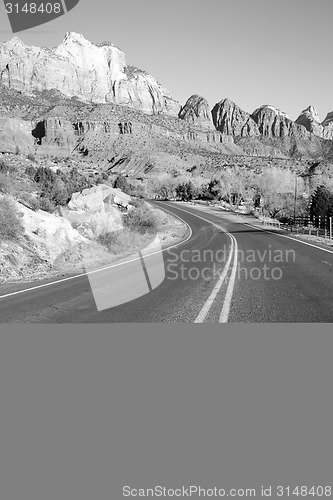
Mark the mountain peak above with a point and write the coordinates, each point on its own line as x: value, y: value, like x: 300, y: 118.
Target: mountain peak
x: 310, y: 120
x: 77, y: 67
x: 311, y: 113
x: 268, y: 108
x: 72, y: 36
x: 196, y: 111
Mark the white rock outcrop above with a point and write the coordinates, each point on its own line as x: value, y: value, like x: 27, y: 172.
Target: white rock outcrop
x: 77, y: 67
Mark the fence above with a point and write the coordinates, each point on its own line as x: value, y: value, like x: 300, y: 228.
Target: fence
x: 313, y: 226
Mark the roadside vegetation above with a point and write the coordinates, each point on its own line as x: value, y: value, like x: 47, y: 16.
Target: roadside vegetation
x: 11, y: 227
x: 280, y: 192
x: 274, y: 192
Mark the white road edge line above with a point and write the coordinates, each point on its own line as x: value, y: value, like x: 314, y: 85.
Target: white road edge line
x: 62, y: 280
x: 228, y: 296
x: 209, y: 302
x: 289, y: 237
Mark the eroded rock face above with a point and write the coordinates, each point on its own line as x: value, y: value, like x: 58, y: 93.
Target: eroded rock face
x: 310, y: 120
x: 229, y: 118
x: 274, y: 123
x: 196, y: 112
x: 16, y: 133
x: 328, y: 126
x: 93, y: 73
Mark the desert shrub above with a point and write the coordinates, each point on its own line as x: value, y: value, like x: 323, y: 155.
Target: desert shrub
x: 74, y: 181
x: 57, y: 188
x: 4, y: 184
x: 11, y: 227
x: 30, y: 171
x: 140, y: 218
x: 4, y: 168
x: 29, y: 201
x: 7, y: 169
x: 31, y: 157
x: 121, y: 183
x: 185, y: 191
x: 46, y: 204
x: 45, y: 177
x: 108, y: 239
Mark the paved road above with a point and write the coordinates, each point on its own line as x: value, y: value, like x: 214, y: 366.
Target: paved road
x: 226, y: 271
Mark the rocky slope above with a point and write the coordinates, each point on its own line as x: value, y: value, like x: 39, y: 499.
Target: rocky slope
x: 77, y: 67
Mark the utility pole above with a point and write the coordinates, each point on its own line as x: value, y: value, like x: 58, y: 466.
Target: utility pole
x: 295, y: 197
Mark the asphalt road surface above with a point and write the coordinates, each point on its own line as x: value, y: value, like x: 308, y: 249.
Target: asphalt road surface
x: 226, y: 270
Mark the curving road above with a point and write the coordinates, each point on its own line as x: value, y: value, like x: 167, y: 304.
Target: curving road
x: 227, y: 270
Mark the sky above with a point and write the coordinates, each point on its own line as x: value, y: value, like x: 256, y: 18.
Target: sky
x: 254, y: 52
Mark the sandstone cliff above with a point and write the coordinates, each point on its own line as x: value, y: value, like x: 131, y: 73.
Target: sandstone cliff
x: 229, y: 118
x: 93, y: 73
x: 310, y: 120
x: 196, y: 111
x: 328, y: 126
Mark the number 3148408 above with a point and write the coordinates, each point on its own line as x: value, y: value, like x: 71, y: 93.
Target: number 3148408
x: 33, y: 8
x: 303, y: 491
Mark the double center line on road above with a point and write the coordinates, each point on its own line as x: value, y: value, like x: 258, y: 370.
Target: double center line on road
x: 200, y: 318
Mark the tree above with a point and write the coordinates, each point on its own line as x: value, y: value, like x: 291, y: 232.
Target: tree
x: 185, y: 191
x: 121, y: 183
x: 321, y: 202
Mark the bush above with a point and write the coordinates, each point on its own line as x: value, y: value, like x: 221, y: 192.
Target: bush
x: 140, y: 218
x: 30, y: 171
x: 4, y: 168
x: 46, y: 205
x: 108, y: 239
x: 29, y: 201
x: 4, y: 184
x: 185, y: 191
x: 121, y: 183
x: 31, y: 157
x: 11, y: 227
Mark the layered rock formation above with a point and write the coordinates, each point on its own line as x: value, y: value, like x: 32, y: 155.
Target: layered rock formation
x: 271, y: 121
x: 196, y: 111
x: 93, y: 73
x: 15, y: 135
x: 229, y: 118
x: 310, y: 120
x: 328, y: 126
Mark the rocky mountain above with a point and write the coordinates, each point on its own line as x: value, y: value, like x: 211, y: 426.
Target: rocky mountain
x: 272, y: 122
x: 328, y: 126
x: 229, y: 118
x: 83, y: 99
x: 77, y: 67
x: 197, y: 112
x: 310, y: 120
